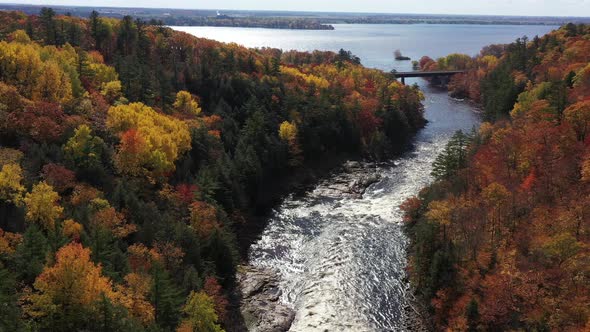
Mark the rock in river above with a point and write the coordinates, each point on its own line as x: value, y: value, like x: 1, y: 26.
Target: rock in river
x: 260, y: 302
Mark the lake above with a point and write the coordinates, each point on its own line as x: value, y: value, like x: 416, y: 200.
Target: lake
x: 375, y: 44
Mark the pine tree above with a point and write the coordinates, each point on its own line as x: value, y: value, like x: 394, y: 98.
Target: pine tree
x: 9, y: 311
x: 47, y: 16
x: 452, y: 158
x: 166, y: 298
x: 472, y: 314
x: 31, y: 253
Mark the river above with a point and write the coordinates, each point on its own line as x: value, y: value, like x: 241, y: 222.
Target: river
x: 341, y: 258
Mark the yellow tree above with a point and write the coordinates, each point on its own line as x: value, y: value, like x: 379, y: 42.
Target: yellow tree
x: 107, y: 218
x: 133, y: 296
x: 11, y: 188
x: 53, y: 84
x: 20, y: 36
x: 42, y: 206
x: 185, y: 103
x: 72, y: 229
x: 69, y: 287
x: 83, y: 150
x: 112, y: 91
x: 440, y: 212
x: 200, y: 314
x: 150, y: 142
x: 288, y: 133
x: 20, y: 65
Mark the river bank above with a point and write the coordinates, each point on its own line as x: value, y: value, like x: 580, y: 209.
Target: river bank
x: 339, y: 253
x: 258, y: 288
x: 340, y: 262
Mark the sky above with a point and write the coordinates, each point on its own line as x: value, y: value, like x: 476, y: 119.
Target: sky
x: 475, y: 7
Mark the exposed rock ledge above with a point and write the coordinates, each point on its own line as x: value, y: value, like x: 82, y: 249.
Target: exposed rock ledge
x: 261, y: 307
x: 351, y: 180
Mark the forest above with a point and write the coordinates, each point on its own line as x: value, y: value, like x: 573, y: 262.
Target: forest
x: 133, y: 158
x: 190, y: 17
x: 500, y: 241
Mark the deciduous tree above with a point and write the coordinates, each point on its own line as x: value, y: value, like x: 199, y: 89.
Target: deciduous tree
x: 42, y: 206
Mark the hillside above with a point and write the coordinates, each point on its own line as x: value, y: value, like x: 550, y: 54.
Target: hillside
x: 501, y: 240
x: 133, y: 158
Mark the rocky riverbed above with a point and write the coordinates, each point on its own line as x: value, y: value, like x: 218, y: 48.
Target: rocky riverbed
x: 260, y: 294
x: 261, y: 307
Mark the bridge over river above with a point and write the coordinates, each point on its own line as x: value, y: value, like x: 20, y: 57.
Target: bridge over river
x: 439, y: 73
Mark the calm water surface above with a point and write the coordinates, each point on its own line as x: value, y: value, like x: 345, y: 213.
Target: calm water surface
x: 375, y: 44
x: 342, y: 259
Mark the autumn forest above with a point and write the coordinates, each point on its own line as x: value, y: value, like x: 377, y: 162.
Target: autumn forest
x: 500, y: 241
x: 136, y: 161
x: 133, y: 157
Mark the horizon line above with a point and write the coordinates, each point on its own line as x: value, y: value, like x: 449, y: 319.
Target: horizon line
x: 297, y: 11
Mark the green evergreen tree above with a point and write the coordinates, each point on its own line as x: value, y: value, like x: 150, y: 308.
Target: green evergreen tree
x: 47, y: 17
x: 472, y: 314
x: 9, y: 311
x: 452, y: 158
x: 166, y: 298
x: 30, y: 254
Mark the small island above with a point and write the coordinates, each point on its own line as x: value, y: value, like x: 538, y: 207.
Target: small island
x: 399, y: 57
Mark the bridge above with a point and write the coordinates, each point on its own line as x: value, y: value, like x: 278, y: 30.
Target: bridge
x: 407, y: 74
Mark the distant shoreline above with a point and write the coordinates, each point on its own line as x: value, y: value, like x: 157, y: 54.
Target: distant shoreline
x: 288, y: 20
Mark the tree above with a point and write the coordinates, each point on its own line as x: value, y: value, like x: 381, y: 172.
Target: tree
x: 84, y: 151
x: 200, y: 314
x: 453, y: 157
x: 43, y: 121
x: 53, y: 85
x: 186, y: 104
x: 165, y: 297
x: 288, y: 133
x: 439, y: 212
x: 20, y: 36
x: 499, y: 92
x: 150, y: 142
x: 112, y: 91
x: 11, y: 188
x: 586, y: 169
x: 30, y: 254
x: 72, y: 229
x: 47, y: 16
x: 59, y: 177
x: 561, y: 248
x: 20, y: 66
x: 66, y: 292
x: 472, y: 315
x: 108, y: 219
x: 9, y: 310
x: 578, y: 115
x: 133, y: 296
x: 203, y: 218
x: 42, y: 206
x: 496, y: 196
x: 215, y: 292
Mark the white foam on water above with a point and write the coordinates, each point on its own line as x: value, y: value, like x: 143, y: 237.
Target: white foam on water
x: 341, y: 260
